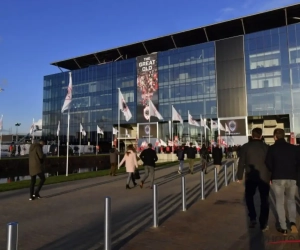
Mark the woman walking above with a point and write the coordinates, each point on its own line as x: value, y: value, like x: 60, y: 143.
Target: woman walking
x: 204, y: 157
x: 130, y: 164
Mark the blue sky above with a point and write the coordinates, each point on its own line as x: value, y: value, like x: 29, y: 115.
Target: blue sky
x: 34, y: 33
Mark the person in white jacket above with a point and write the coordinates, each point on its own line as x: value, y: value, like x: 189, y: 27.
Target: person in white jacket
x: 130, y: 164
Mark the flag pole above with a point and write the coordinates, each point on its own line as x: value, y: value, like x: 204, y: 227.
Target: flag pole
x: 0, y: 143
x: 58, y: 146
x: 80, y: 134
x: 68, y: 135
x: 205, y: 132
x: 172, y: 132
x: 33, y: 131
x: 201, y: 130
x: 97, y: 141
x: 118, y: 133
x: 188, y: 125
x: 149, y: 121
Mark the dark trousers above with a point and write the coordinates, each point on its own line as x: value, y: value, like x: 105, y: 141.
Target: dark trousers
x: 264, y: 189
x: 113, y: 168
x: 39, y: 187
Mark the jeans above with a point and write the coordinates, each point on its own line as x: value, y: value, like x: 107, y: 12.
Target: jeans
x: 130, y: 177
x: 288, y: 187
x: 149, y: 169
x: 32, y: 184
x: 181, y: 163
x: 264, y: 189
x: 218, y: 168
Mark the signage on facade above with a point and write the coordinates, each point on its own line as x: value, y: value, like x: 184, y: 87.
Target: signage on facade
x: 233, y: 127
x: 147, y: 86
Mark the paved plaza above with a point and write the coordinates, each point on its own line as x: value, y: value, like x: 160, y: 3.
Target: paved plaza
x: 71, y: 216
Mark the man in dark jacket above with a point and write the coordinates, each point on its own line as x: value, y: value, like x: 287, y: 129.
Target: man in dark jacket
x: 191, y: 155
x: 149, y: 157
x: 36, y: 161
x: 113, y: 157
x: 217, y: 156
x: 283, y: 160
x: 252, y: 159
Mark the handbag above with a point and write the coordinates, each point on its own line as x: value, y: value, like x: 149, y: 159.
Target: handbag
x: 137, y: 174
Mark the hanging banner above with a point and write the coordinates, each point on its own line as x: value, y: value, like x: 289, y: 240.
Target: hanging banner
x: 293, y: 138
x: 147, y: 86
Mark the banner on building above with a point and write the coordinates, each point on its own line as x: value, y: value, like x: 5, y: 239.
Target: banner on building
x: 146, y: 130
x: 147, y: 86
x: 235, y: 126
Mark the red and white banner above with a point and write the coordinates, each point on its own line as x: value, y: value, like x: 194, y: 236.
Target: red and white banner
x: 68, y: 99
x: 293, y: 138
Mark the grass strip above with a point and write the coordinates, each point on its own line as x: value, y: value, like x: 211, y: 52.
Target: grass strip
x: 71, y: 177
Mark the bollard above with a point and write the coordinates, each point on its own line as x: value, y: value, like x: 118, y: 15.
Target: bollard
x: 12, y: 236
x: 183, y: 193
x: 233, y: 172
x: 79, y: 171
x: 202, y: 186
x: 225, y: 173
x: 155, y: 207
x: 216, y: 180
x: 107, y: 214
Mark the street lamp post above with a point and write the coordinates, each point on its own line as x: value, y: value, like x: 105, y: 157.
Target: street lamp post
x: 17, y: 125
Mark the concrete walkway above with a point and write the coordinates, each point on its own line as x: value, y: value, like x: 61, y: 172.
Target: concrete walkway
x: 71, y: 216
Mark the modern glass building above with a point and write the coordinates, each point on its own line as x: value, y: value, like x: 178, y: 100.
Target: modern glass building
x: 243, y: 68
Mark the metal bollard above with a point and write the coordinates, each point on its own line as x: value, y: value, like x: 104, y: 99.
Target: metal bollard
x: 79, y: 171
x: 225, y: 173
x: 183, y: 193
x: 107, y: 219
x: 155, y: 206
x: 216, y: 180
x: 233, y: 172
x: 12, y: 236
x: 202, y: 186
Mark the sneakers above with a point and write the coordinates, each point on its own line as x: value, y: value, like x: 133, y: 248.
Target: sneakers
x: 31, y: 198
x: 141, y: 184
x: 294, y: 229
x: 37, y: 196
x: 179, y: 172
x: 283, y: 231
x: 264, y: 228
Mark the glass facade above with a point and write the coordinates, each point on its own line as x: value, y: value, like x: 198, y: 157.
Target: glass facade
x: 272, y: 73
x: 187, y: 80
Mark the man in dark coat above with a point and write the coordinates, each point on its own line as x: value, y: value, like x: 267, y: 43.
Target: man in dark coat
x: 217, y: 156
x: 36, y: 161
x: 113, y: 156
x: 191, y: 155
x: 283, y: 160
x: 149, y: 157
x: 180, y: 155
x: 252, y: 160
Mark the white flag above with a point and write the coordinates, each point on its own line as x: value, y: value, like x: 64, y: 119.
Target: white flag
x: 31, y: 131
x: 82, y: 130
x: 162, y: 143
x: 123, y: 107
x: 202, y: 122
x: 68, y: 99
x: 126, y: 133
x: 1, y: 123
x: 170, y: 143
x: 176, y: 116
x: 99, y: 130
x: 221, y: 127
x: 192, y: 121
x: 214, y: 125
x: 226, y: 128
x: 115, y: 131
x: 58, y: 128
x: 153, y: 111
x: 196, y: 144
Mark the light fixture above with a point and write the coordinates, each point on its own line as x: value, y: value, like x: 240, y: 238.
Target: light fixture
x: 297, y: 18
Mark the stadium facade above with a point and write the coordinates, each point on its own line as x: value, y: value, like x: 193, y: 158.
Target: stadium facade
x: 244, y: 72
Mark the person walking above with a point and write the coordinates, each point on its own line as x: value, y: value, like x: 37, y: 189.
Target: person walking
x: 113, y: 157
x: 180, y: 155
x: 191, y: 155
x: 204, y: 157
x: 252, y: 160
x: 283, y: 160
x: 36, y: 168
x: 130, y: 164
x: 217, y: 156
x: 19, y: 150
x: 149, y: 157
